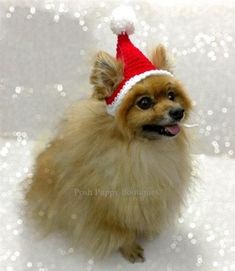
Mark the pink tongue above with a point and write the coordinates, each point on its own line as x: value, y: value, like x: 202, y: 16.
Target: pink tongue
x: 173, y: 129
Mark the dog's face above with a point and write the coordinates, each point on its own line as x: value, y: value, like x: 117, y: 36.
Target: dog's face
x: 154, y: 108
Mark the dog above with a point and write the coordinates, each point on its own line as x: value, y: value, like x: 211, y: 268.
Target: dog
x: 119, y: 167
x: 108, y: 181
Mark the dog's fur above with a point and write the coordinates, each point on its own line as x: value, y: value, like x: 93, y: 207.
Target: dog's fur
x: 102, y: 179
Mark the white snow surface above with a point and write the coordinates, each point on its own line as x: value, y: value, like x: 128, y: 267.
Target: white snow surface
x: 203, y: 238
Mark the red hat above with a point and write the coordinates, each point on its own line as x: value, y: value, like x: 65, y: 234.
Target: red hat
x: 136, y: 65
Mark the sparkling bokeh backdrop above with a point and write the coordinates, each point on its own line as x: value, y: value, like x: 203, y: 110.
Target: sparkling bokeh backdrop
x: 46, y: 52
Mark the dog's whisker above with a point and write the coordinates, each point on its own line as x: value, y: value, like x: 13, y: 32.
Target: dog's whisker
x: 187, y: 125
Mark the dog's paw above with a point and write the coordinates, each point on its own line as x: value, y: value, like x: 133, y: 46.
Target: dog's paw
x: 133, y: 253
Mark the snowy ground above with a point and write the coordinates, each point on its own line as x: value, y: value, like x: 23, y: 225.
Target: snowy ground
x: 203, y: 239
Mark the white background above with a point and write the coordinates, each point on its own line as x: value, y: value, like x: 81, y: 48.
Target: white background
x: 46, y: 51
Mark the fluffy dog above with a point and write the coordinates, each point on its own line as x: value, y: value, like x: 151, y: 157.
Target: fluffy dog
x: 110, y: 180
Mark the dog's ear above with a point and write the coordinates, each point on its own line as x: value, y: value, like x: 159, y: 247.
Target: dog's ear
x: 161, y: 59
x: 106, y: 74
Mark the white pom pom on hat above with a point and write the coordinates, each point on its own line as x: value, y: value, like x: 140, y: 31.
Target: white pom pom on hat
x: 123, y: 20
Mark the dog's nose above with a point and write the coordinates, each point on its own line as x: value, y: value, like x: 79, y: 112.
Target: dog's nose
x: 176, y: 113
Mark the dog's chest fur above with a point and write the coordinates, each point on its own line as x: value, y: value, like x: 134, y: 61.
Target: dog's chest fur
x: 145, y: 184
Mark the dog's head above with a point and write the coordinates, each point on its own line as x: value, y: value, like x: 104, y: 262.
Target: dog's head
x: 154, y: 108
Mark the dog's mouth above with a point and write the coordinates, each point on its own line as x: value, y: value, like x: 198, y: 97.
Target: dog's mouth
x: 165, y: 130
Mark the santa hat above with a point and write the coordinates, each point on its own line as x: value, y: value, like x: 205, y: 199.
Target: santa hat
x: 136, y: 65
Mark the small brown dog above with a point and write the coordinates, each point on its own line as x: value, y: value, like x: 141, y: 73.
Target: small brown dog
x: 108, y: 180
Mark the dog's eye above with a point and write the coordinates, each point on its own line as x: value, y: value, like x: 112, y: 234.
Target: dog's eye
x: 171, y: 95
x: 145, y: 103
